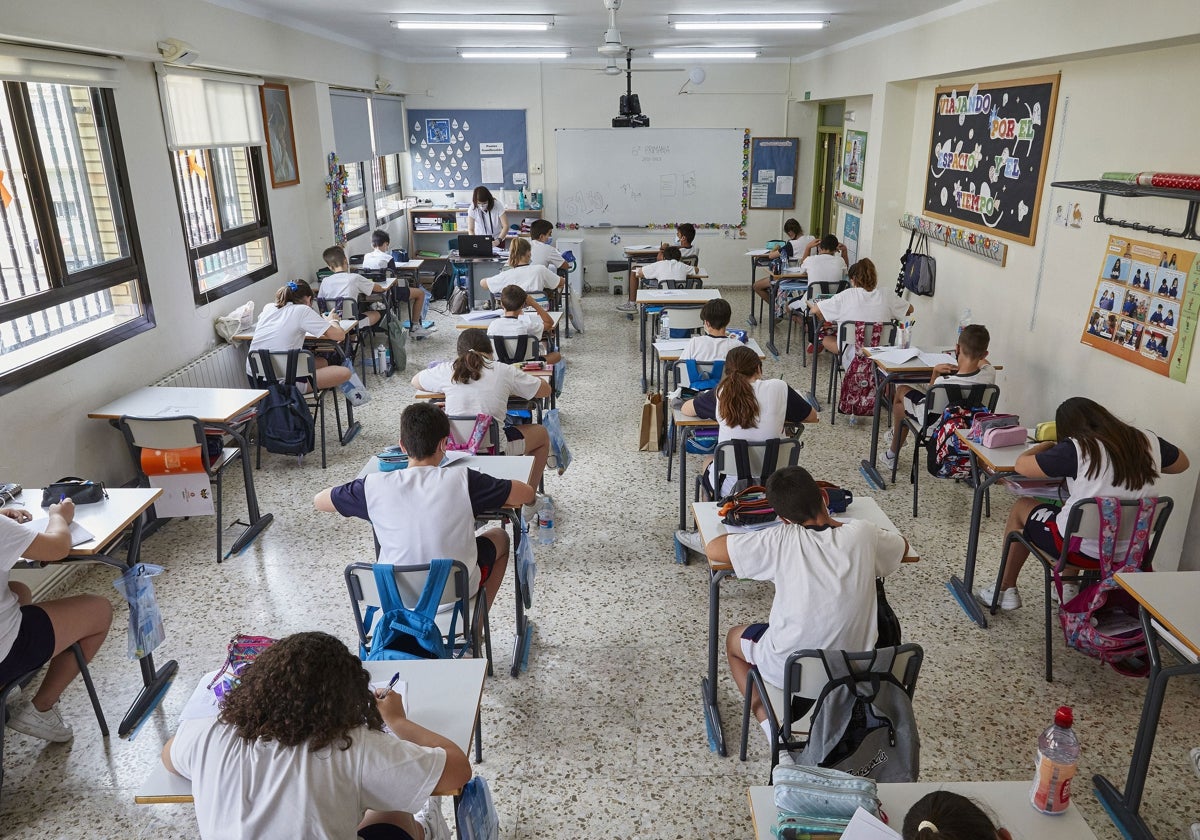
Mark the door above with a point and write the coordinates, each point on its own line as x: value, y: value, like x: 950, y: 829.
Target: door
x: 828, y: 158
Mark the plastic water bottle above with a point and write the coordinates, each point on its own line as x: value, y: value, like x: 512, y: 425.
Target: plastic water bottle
x: 664, y: 327
x: 545, y: 516
x: 1057, y: 758
x: 965, y: 320
x: 380, y: 358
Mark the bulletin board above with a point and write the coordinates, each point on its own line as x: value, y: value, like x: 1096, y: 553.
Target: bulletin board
x: 1144, y: 306
x: 463, y: 148
x: 773, y: 162
x: 988, y: 150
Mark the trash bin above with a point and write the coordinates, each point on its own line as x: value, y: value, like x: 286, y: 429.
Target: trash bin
x: 618, y: 275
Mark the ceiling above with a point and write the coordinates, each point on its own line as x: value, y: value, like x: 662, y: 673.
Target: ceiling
x: 580, y: 24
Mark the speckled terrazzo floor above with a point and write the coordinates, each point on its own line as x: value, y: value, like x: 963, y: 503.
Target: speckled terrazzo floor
x: 603, y: 735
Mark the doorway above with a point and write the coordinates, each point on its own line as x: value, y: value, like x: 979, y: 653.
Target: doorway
x: 827, y: 167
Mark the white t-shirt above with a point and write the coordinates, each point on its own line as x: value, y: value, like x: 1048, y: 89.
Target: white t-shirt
x: 284, y: 328
x: 986, y: 375
x: 824, y: 586
x: 772, y: 395
x: 543, y: 253
x: 376, y: 260
x: 14, y: 539
x: 532, y: 278
x: 667, y: 270
x: 823, y: 268
x: 709, y: 348
x: 345, y: 285
x: 263, y: 790
x: 799, y: 245
x: 527, y: 323
x: 689, y: 251
x: 488, y: 223
x: 487, y: 395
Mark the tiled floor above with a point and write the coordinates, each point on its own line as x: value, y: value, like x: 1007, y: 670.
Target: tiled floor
x: 603, y: 735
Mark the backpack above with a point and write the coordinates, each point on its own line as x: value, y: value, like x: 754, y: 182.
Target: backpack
x: 440, y: 288
x: 404, y: 633
x: 918, y: 270
x: 458, y: 303
x: 1102, y: 620
x: 285, y: 425
x: 864, y: 723
x: 396, y: 339
x: 948, y: 457
x: 858, y: 382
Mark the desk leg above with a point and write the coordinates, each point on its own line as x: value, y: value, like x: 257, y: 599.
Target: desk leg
x: 771, y: 318
x: 258, y: 521
x: 750, y: 319
x: 353, y: 427
x: 681, y: 434
x: 961, y: 589
x: 642, y: 342
x: 708, y: 685
x: 868, y: 469
x: 523, y: 630
x: 816, y: 345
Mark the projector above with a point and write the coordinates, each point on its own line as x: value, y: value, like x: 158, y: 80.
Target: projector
x: 631, y: 115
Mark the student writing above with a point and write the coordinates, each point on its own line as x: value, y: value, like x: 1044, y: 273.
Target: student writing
x: 863, y: 301
x: 795, y: 246
x: 380, y: 259
x: 516, y: 321
x: 713, y: 342
x: 667, y: 269
x: 534, y: 279
x: 283, y: 327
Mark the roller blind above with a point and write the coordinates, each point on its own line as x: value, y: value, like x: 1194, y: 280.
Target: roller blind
x: 19, y: 63
x: 204, y: 110
x: 388, y: 114
x: 351, y: 125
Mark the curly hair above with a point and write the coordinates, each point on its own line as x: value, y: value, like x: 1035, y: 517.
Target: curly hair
x: 306, y: 688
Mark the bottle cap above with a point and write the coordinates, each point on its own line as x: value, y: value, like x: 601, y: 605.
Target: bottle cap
x: 1064, y: 717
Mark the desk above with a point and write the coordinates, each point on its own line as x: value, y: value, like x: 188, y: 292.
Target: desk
x: 668, y: 351
x: 1167, y: 603
x: 797, y: 282
x: 1009, y: 801
x: 758, y: 258
x: 666, y: 297
x: 471, y: 263
x: 218, y: 407
x: 682, y: 423
x: 107, y: 521
x: 512, y: 468
x: 708, y: 523
x: 443, y: 696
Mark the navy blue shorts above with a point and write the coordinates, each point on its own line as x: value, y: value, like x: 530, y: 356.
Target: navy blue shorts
x: 33, y: 646
x: 1041, y: 529
x: 383, y: 831
x: 485, y: 556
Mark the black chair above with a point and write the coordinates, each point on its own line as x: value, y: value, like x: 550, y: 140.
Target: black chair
x: 306, y: 375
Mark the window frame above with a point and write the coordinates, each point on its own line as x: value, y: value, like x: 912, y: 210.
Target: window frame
x: 67, y: 286
x: 384, y: 189
x: 359, y: 200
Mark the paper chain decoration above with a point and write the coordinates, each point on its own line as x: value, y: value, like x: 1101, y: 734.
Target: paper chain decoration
x: 337, y: 190
x: 988, y: 247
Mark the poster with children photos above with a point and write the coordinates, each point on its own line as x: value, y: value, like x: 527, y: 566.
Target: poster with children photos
x: 1145, y: 305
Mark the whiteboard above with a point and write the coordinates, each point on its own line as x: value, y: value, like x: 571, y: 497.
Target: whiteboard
x: 644, y: 176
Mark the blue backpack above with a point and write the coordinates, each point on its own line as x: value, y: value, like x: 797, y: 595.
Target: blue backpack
x: 285, y: 425
x: 405, y: 633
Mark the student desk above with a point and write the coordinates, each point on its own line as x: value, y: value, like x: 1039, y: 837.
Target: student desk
x: 668, y: 351
x: 107, y: 521
x: 1167, y: 603
x: 498, y: 259
x: 218, y: 407
x: 481, y: 319
x: 512, y: 468
x: 666, y: 297
x: 683, y: 424
x: 1008, y: 801
x: 443, y: 695
x: 797, y: 282
x: 757, y: 260
x: 708, y: 523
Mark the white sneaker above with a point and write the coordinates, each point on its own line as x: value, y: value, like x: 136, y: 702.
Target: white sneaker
x: 1195, y: 831
x: 627, y: 306
x: 786, y: 758
x: 420, y: 332
x: 49, y: 725
x: 692, y: 541
x: 14, y: 697
x: 1194, y: 755
x: 1010, y: 599
x: 888, y: 458
x: 887, y: 439
x: 1069, y: 591
x: 529, y: 512
x: 431, y: 820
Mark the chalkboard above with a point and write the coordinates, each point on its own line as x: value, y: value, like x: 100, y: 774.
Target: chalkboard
x: 987, y: 155
x: 462, y: 148
x: 650, y: 176
x: 773, y: 172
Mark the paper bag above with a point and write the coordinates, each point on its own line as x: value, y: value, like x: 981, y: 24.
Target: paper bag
x: 653, y: 424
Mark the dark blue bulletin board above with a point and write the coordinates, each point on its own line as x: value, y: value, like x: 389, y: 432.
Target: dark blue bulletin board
x: 773, y: 163
x: 463, y: 148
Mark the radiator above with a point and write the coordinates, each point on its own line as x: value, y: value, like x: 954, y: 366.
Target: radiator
x: 222, y: 367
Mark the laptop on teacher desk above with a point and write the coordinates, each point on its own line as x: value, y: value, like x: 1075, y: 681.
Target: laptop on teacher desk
x: 475, y: 246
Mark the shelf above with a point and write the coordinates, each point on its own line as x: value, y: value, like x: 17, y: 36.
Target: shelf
x: 1124, y: 189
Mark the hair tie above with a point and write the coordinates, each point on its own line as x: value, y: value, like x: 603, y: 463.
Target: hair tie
x: 924, y: 824
x: 293, y: 286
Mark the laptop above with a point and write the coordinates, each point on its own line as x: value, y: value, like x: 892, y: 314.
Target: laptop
x: 475, y: 246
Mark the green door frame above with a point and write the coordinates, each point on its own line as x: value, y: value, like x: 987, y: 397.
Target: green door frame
x: 817, y: 218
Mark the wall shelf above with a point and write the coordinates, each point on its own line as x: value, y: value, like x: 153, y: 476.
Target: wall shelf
x: 1123, y: 189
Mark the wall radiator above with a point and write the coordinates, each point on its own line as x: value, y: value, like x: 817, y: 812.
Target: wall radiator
x: 222, y: 367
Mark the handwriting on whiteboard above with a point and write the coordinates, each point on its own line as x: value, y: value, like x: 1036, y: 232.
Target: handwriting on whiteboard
x: 585, y: 203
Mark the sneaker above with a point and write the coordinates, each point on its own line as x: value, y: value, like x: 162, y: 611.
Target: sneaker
x: 431, y: 820
x: 1194, y: 755
x: 627, y: 306
x: 691, y: 540
x: 420, y: 332
x: 786, y: 758
x: 1195, y: 831
x: 14, y: 697
x: 529, y: 512
x: 49, y: 726
x: 1069, y: 591
x: 889, y: 459
x: 1010, y: 599
x: 429, y: 325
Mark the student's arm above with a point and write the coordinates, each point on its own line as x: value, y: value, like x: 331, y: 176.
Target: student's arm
x: 1173, y: 458
x: 55, y: 542
x: 688, y: 408
x: 323, y: 501
x: 547, y: 321
x: 334, y: 332
x: 457, y: 770
x: 799, y: 410
x: 543, y: 388
x: 815, y: 308
x: 166, y: 756
x: 718, y: 550
x: 520, y: 493
x: 1027, y: 463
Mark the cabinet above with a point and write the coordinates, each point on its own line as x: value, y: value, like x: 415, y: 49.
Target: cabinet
x: 431, y: 228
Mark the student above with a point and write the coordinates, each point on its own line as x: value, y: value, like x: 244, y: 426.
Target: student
x: 451, y: 497
x: 487, y: 216
x: 1131, y: 305
x: 972, y: 369
x: 824, y: 574
x: 517, y: 322
x: 1106, y: 301
x: 283, y: 327
x: 1157, y: 317
x: 796, y: 245
x: 299, y: 750
x: 380, y: 259
x: 543, y: 253
x: 667, y: 268
x: 713, y: 343
x: 1094, y: 323
x: 33, y: 634
x: 1151, y: 345
x: 475, y: 383
x: 1162, y: 287
x: 343, y: 284
x: 863, y: 301
x: 685, y: 237
x: 1137, y: 279
x: 1169, y: 318
x: 1162, y: 346
x: 1098, y: 455
x: 534, y: 279
x: 1174, y: 287
x: 1115, y: 272
x: 943, y: 815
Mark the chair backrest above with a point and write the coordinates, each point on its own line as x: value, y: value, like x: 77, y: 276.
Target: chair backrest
x: 348, y: 308
x: 306, y: 366
x: 163, y: 433
x: 822, y: 289
x: 377, y: 275
x: 887, y: 333
x: 688, y: 283
x: 940, y: 397
x: 684, y: 317
x: 514, y: 348
x: 693, y: 260
x: 462, y: 425
x: 705, y: 371
x: 804, y: 672
x: 754, y: 461
x: 1083, y: 522
x: 410, y: 580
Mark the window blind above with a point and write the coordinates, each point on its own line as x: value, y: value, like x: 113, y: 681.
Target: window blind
x: 351, y: 125
x: 205, y: 110
x: 19, y: 63
x: 388, y: 114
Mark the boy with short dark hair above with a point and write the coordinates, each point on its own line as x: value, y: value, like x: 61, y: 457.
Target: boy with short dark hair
x: 380, y: 259
x: 344, y: 285
x: 543, y: 253
x: 517, y: 322
x: 824, y: 573
x: 685, y: 235
x: 713, y: 343
x: 668, y: 267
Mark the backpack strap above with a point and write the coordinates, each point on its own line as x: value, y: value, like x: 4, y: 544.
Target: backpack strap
x: 267, y: 367
x: 293, y: 362
x: 431, y: 595
x: 389, y: 595
x: 741, y: 460
x: 965, y: 395
x: 770, y: 459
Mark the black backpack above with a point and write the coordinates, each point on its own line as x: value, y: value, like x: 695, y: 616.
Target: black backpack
x: 918, y: 269
x: 285, y: 425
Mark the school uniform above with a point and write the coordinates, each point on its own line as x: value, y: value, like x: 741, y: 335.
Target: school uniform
x: 794, y: 249
x: 283, y: 328
x: 673, y: 270
x: 487, y: 395
x: 527, y: 323
x: 857, y: 304
x: 1156, y: 318
x: 534, y: 279
x: 709, y: 348
x: 543, y: 253
x: 488, y: 222
x: 824, y: 268
x: 914, y: 399
x: 377, y: 260
x: 689, y: 251
x: 26, y: 633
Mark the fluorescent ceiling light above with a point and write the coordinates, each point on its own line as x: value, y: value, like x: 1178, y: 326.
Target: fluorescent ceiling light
x: 727, y: 22
x: 506, y: 54
x: 703, y: 54
x: 486, y: 23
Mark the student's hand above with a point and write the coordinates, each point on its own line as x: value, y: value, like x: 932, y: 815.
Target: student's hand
x: 65, y: 509
x: 390, y: 704
x: 943, y: 369
x: 17, y: 514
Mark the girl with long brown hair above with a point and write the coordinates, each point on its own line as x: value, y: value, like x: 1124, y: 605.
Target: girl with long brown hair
x: 1098, y: 455
x: 534, y: 279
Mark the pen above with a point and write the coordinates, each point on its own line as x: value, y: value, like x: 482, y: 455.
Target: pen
x: 391, y: 685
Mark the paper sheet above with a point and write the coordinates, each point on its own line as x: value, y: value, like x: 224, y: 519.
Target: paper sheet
x: 79, y: 534
x: 746, y: 529
x: 863, y: 826
x: 783, y: 185
x: 453, y: 457
x: 481, y: 314
x: 491, y: 170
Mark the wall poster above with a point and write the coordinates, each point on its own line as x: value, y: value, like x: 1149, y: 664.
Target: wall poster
x: 1145, y: 305
x: 855, y: 154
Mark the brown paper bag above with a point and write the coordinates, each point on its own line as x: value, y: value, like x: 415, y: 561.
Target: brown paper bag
x: 653, y: 425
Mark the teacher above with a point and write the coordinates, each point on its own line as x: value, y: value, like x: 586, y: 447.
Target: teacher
x: 487, y: 216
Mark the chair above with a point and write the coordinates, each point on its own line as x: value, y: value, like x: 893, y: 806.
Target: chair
x: 511, y: 349
x: 306, y: 374
x: 937, y: 399
x: 846, y: 330
x: 356, y: 259
x: 693, y: 261
x: 178, y: 433
x: 352, y: 309
x: 462, y: 425
x: 818, y: 290
x: 22, y: 681
x: 1084, y: 522
x: 751, y: 461
x: 474, y: 634
x: 805, y: 677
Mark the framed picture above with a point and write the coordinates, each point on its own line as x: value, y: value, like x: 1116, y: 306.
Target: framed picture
x: 855, y: 152
x: 281, y: 139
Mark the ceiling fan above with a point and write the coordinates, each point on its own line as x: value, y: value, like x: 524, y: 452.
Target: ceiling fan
x: 614, y: 50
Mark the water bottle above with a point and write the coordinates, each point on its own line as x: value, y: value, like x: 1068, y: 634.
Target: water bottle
x: 965, y: 320
x: 545, y: 516
x: 380, y: 358
x: 1057, y: 759
x: 664, y: 327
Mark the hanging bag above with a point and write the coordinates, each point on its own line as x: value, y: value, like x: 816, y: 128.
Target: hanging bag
x: 919, y: 271
x: 404, y: 633
x: 285, y: 425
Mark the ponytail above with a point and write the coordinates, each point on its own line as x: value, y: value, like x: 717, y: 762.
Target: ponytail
x: 519, y: 251
x: 863, y: 274
x: 474, y: 354
x: 297, y: 291
x: 737, y: 404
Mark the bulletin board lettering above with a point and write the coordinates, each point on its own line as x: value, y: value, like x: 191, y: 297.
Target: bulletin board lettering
x: 988, y: 149
x: 461, y: 149
x: 773, y: 172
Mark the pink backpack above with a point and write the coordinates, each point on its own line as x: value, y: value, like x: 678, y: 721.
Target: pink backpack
x: 858, y: 382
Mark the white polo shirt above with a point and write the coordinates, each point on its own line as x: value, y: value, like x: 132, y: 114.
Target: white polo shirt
x: 532, y: 278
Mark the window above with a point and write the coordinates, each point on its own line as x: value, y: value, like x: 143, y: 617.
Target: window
x: 389, y: 200
x: 71, y: 276
x: 356, y: 201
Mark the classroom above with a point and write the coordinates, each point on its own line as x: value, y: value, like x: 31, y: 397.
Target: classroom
x: 600, y: 731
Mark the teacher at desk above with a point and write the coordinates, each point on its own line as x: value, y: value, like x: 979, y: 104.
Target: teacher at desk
x: 488, y: 216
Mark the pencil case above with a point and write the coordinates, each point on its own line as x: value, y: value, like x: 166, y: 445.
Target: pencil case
x: 1047, y: 430
x: 986, y: 420
x: 998, y: 437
